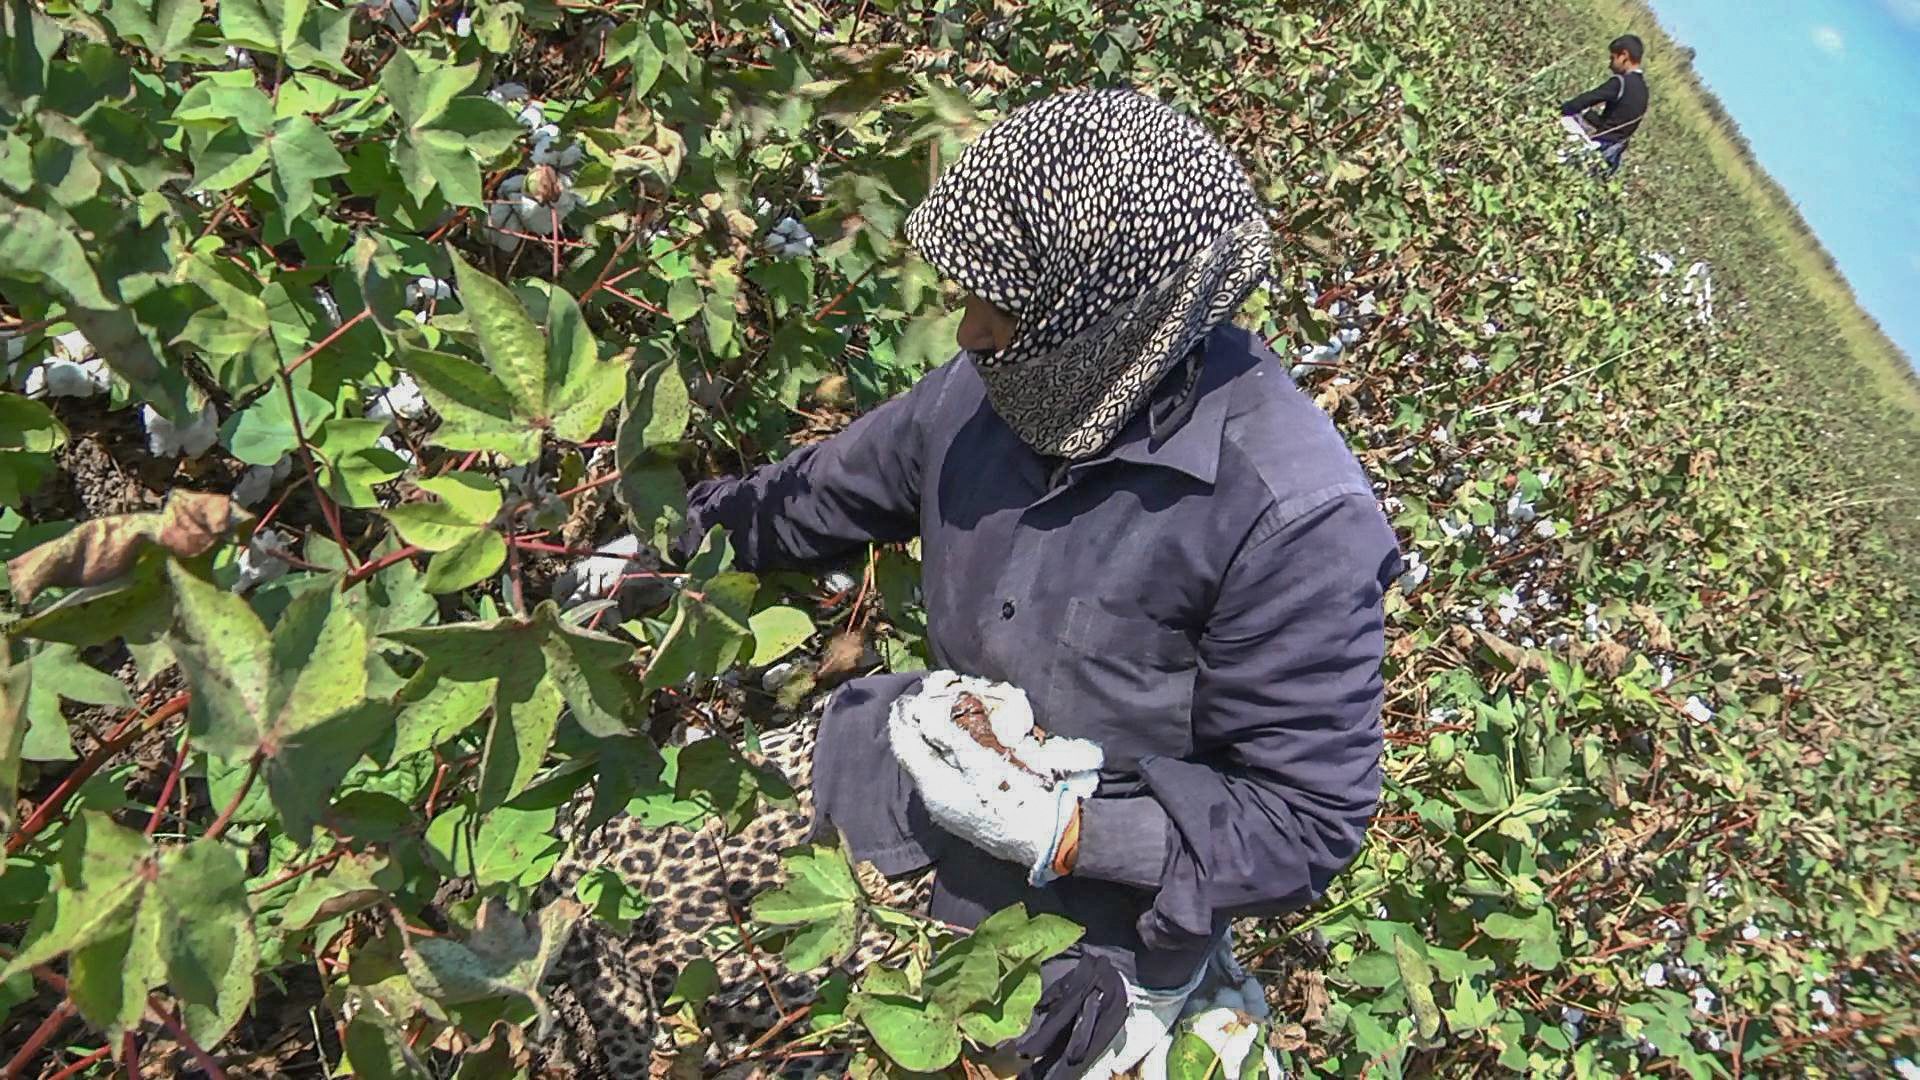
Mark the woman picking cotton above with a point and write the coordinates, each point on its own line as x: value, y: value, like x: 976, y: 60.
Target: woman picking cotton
x: 1137, y: 537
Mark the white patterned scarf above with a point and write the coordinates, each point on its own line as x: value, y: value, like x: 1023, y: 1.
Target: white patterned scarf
x: 1118, y: 233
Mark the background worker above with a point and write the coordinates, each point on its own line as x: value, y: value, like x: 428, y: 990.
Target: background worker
x: 1621, y: 101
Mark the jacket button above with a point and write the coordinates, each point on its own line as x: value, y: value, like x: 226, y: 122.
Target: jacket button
x: 1006, y: 610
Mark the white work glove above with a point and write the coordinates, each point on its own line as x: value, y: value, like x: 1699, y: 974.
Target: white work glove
x: 975, y: 793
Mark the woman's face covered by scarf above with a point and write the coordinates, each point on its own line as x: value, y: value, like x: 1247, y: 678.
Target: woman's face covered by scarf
x: 1117, y: 232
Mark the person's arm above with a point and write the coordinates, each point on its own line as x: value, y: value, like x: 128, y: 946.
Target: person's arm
x: 1285, y: 773
x: 828, y: 499
x: 1599, y: 95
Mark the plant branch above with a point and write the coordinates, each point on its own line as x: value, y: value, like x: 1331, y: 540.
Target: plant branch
x: 122, y: 734
x: 226, y: 816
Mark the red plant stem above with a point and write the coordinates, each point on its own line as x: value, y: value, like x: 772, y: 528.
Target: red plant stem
x: 179, y: 1032
x: 323, y: 861
x: 272, y: 511
x: 84, y: 1063
x: 166, y: 789
x: 844, y: 293
x: 130, y: 1056
x: 634, y: 300
x: 327, y: 509
x: 226, y: 816
x: 116, y: 740
x: 368, y: 569
x: 42, y: 1035
x: 337, y: 334
x: 590, y: 485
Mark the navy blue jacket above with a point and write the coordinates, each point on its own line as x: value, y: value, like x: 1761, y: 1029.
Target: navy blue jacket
x: 1204, y: 604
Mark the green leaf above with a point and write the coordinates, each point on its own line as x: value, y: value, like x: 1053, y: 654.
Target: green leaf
x: 468, y: 503
x: 476, y: 411
x: 160, y: 25
x: 206, y: 935
x: 1193, y: 1058
x: 105, y: 870
x: 916, y: 1036
x: 356, y: 881
x: 16, y: 682
x: 1417, y: 979
x: 503, y: 957
x: 510, y: 343
x: 270, y: 25
x: 36, y: 248
x: 1471, y: 1010
x: 778, y: 631
x: 499, y: 849
x: 1537, y: 936
x: 822, y: 899
x: 305, y: 775
x: 472, y: 560
x: 658, y: 410
x: 697, y: 982
x: 609, y: 899
x: 420, y: 95
x: 263, y: 432
x: 709, y: 630
x: 302, y: 154
x: 228, y: 160
x: 436, y: 709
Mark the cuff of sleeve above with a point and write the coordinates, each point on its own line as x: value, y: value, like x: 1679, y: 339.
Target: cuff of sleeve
x: 1123, y: 840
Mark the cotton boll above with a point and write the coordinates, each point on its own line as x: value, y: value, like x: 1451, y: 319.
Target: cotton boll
x: 401, y: 401
x: 166, y: 440
x: 532, y: 116
x: 1703, y: 1000
x: 509, y: 92
x: 1545, y: 529
x: 1655, y: 975
x: 258, y: 480
x: 1697, y: 710
x: 262, y: 560
x: 428, y: 289
x: 397, y: 449
x: 463, y: 26
x: 57, y: 377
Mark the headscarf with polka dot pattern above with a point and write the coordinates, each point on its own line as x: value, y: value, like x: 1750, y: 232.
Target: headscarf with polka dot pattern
x: 1117, y: 232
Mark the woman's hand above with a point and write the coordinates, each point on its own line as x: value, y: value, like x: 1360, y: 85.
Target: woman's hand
x: 1019, y: 802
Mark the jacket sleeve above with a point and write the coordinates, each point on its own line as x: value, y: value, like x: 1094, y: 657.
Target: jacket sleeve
x: 1599, y: 95
x: 1285, y: 774
x: 829, y: 499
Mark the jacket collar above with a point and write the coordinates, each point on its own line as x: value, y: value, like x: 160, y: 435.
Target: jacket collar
x: 1193, y: 447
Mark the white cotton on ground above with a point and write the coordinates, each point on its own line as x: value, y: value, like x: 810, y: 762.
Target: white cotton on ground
x: 189, y: 441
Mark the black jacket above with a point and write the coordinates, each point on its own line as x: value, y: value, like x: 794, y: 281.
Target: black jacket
x: 1624, y: 101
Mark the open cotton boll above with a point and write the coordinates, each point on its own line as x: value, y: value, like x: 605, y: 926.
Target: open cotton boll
x: 190, y: 441
x: 396, y: 448
x: 263, y: 559
x: 260, y: 479
x: 509, y: 92
x: 463, y: 26
x: 57, y: 377
x: 1697, y: 710
x: 501, y: 216
x: 428, y: 289
x: 401, y: 401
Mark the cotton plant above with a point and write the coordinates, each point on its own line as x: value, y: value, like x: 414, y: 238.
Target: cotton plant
x: 539, y: 200
x: 190, y: 440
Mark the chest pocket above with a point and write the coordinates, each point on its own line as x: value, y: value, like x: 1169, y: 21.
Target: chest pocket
x: 1127, y: 682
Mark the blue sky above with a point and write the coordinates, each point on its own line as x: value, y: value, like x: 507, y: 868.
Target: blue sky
x: 1828, y: 93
